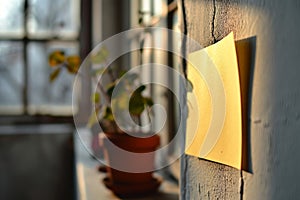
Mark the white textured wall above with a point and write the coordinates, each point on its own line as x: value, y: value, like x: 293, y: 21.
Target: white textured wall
x: 274, y: 138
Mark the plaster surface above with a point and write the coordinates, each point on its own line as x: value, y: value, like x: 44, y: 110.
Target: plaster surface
x: 274, y: 108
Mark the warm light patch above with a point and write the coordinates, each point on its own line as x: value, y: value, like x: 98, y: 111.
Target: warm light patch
x: 214, y: 125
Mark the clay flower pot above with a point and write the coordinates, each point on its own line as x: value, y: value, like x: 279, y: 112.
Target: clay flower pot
x: 137, y: 177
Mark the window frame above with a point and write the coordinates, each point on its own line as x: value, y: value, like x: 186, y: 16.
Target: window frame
x: 84, y: 43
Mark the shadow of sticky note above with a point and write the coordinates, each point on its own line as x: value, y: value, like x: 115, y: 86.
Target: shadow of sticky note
x: 217, y: 120
x: 245, y: 50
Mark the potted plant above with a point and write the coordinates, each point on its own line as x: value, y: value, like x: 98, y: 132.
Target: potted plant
x: 127, y: 182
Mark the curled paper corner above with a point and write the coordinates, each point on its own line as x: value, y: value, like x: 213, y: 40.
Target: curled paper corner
x: 216, y: 124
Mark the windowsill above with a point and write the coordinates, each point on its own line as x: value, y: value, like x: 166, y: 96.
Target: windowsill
x: 89, y: 180
x: 36, y: 129
x: 35, y: 119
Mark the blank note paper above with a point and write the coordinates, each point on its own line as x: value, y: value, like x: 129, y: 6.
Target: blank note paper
x: 214, y: 124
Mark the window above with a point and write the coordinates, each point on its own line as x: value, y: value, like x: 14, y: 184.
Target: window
x: 29, y: 31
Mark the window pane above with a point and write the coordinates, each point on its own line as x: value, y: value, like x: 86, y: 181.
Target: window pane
x: 11, y: 18
x: 46, y: 97
x: 11, y: 77
x: 54, y: 18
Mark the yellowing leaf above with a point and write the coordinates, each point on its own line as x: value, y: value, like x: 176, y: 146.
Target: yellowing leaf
x: 56, y: 58
x: 54, y: 74
x: 73, y: 63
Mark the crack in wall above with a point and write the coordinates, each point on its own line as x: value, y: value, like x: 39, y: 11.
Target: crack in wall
x: 185, y: 189
x: 184, y: 161
x: 241, y: 186
x: 184, y: 182
x: 183, y: 49
x: 213, y: 22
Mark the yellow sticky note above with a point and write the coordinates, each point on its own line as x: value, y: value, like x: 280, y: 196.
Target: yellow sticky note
x: 214, y: 124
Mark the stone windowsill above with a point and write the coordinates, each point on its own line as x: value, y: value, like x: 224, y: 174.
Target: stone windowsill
x: 89, y: 180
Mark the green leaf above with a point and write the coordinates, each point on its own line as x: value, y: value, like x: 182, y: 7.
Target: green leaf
x: 121, y: 102
x: 136, y: 104
x: 95, y: 97
x: 139, y: 90
x: 93, y: 119
x: 122, y: 72
x: 54, y: 74
x: 100, y: 56
x: 108, y: 114
x: 148, y: 101
x: 121, y: 89
x: 110, y: 89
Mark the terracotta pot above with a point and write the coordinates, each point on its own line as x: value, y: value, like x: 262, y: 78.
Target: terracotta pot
x: 118, y: 180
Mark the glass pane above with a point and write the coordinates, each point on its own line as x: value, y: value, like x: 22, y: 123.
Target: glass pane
x: 46, y: 97
x: 11, y: 77
x: 145, y: 10
x: 11, y: 18
x: 54, y: 18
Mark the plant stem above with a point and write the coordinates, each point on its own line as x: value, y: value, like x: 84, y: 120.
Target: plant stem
x: 102, y: 90
x: 111, y: 75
